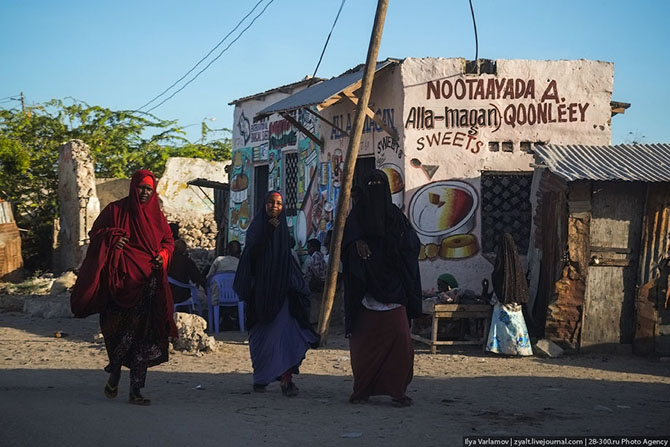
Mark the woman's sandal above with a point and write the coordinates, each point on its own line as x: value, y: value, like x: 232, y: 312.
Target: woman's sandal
x: 258, y: 388
x: 111, y: 391
x: 359, y: 401
x: 404, y: 401
x: 289, y: 389
x: 136, y: 398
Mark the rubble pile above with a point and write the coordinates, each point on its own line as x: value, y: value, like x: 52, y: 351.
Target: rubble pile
x: 192, y: 336
x: 198, y: 231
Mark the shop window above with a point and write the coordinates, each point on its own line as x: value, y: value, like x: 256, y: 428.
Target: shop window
x: 291, y: 183
x: 506, y: 208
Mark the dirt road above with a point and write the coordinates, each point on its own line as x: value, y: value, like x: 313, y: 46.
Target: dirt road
x: 51, y: 394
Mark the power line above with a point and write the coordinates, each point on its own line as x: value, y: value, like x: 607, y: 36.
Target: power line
x: 327, y: 39
x: 12, y: 97
x: 212, y: 61
x: 206, y: 56
x: 474, y: 23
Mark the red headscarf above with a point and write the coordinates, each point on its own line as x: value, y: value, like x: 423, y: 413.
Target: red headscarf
x: 121, y: 275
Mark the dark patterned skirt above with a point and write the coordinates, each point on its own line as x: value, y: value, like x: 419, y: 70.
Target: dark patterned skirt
x: 133, y: 337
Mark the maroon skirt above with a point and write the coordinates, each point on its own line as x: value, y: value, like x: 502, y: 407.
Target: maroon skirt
x: 382, y: 354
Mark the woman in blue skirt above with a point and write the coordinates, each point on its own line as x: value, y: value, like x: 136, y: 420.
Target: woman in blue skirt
x: 277, y: 300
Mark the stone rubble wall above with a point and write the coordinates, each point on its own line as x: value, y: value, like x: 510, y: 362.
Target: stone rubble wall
x: 199, y: 233
x: 196, y: 231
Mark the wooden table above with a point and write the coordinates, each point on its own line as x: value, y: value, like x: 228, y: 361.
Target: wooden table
x: 453, y: 312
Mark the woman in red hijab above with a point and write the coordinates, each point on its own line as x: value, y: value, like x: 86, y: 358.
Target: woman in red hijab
x: 123, y: 277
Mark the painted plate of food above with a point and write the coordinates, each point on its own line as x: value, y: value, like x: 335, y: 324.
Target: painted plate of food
x: 442, y: 208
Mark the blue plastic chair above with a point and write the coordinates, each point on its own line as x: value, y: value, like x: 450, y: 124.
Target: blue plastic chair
x: 193, y: 303
x: 227, y: 298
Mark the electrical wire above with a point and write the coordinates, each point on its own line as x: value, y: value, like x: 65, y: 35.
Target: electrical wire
x: 206, y: 56
x: 12, y: 97
x: 474, y: 23
x: 212, y: 61
x: 327, y: 39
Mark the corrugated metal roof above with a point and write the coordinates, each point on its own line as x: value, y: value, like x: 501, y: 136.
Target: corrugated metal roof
x: 319, y: 93
x: 628, y: 162
x: 288, y: 88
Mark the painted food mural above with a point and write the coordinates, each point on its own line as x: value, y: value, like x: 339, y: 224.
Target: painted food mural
x: 443, y: 214
x: 240, y: 213
x: 396, y: 183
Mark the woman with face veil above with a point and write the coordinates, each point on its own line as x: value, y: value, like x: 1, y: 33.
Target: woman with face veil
x: 382, y: 287
x: 124, y: 278
x: 508, y: 333
x: 269, y: 280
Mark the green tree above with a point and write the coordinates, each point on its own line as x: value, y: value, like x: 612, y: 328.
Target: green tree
x: 121, y: 142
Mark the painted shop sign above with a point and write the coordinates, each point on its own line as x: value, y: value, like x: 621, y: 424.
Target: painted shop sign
x: 527, y: 102
x: 282, y: 134
x: 259, y: 131
x: 344, y: 121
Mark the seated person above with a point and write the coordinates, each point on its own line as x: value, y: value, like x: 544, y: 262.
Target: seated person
x: 229, y: 261
x: 226, y: 263
x: 314, y: 269
x: 447, y: 288
x: 183, y: 269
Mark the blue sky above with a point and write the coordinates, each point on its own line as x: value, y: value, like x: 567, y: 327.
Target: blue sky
x: 121, y: 54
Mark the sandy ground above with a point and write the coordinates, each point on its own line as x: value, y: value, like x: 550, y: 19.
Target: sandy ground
x: 51, y: 394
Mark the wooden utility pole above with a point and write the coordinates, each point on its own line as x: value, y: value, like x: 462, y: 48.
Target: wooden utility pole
x: 349, y: 166
x: 23, y: 102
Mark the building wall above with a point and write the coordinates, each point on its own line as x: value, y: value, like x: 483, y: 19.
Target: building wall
x: 457, y: 126
x: 452, y: 128
x: 266, y: 143
x: 180, y: 198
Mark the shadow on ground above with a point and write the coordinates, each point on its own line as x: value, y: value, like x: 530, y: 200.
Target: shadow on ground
x: 67, y: 407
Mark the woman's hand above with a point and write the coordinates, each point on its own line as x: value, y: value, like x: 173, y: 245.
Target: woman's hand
x: 121, y: 243
x: 157, y: 262
x: 274, y: 222
x: 363, y: 249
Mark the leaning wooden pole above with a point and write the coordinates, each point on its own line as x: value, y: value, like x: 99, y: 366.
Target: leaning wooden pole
x: 348, y: 174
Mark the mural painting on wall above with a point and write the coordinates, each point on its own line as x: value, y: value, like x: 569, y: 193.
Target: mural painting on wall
x: 274, y: 170
x: 244, y: 130
x: 240, y: 208
x: 331, y: 176
x: 389, y: 158
x: 315, y: 193
x: 490, y: 104
x: 282, y: 134
x: 259, y: 131
x: 308, y: 120
x: 260, y: 153
x: 310, y: 199
x: 443, y: 215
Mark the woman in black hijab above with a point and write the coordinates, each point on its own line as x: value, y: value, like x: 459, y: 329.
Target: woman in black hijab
x: 508, y: 333
x: 270, y: 282
x: 382, y: 293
